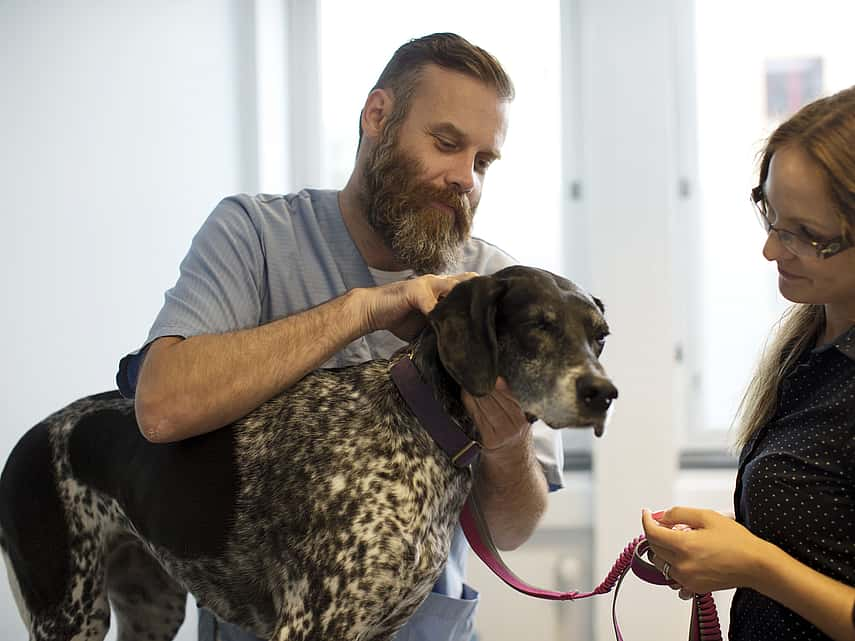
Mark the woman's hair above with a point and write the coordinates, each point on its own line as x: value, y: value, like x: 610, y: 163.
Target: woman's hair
x: 825, y: 130
x: 447, y: 50
x: 796, y: 331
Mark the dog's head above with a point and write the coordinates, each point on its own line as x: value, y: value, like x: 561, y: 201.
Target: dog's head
x: 540, y: 332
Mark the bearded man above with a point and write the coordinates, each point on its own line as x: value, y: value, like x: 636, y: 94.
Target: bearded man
x: 276, y: 286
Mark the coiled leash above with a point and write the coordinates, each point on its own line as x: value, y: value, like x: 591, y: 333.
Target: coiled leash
x: 704, y: 624
x: 463, y: 452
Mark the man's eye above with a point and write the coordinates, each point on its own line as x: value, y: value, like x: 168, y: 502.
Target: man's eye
x: 443, y: 144
x: 483, y: 164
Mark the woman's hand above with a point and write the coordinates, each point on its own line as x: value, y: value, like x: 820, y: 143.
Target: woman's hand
x: 705, y: 550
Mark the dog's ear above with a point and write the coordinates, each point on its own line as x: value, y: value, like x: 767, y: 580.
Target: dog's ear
x: 465, y: 326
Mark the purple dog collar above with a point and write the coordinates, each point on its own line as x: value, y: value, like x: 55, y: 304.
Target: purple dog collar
x: 462, y: 450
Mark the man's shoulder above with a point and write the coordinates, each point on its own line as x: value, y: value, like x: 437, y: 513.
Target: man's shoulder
x: 276, y: 216
x: 484, y: 257
x: 306, y: 202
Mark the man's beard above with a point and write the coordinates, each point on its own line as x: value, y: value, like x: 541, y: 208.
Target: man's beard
x: 403, y: 210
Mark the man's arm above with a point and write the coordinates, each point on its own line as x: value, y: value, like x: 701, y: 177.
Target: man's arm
x: 509, y: 482
x: 192, y: 386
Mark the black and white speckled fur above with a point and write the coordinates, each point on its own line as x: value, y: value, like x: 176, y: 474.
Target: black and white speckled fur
x: 326, y: 514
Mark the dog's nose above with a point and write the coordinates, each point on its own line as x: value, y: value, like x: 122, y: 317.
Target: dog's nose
x: 595, y: 392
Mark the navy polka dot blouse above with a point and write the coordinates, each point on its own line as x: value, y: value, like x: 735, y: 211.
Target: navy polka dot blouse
x: 796, y: 485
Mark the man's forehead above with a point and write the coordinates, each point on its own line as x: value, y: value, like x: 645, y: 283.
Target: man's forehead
x: 446, y: 85
x: 461, y: 105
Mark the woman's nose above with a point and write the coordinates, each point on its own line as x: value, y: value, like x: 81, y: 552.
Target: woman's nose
x: 774, y: 249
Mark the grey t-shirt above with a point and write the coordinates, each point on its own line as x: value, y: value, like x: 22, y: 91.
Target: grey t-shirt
x: 257, y: 259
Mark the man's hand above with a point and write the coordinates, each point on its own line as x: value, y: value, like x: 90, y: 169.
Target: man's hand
x: 402, y: 307
x: 509, y: 482
x: 499, y: 418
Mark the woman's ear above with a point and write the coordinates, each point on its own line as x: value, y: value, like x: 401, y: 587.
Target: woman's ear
x: 375, y: 113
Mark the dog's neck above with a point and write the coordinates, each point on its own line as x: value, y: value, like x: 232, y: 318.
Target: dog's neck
x: 425, y: 356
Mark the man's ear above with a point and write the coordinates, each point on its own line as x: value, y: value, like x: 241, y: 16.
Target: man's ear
x: 375, y: 113
x: 465, y: 326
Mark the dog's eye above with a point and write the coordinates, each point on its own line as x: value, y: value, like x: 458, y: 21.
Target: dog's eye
x: 600, y: 339
x: 543, y: 323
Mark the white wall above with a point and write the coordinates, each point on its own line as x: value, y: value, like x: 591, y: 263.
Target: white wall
x: 629, y: 177
x: 121, y: 126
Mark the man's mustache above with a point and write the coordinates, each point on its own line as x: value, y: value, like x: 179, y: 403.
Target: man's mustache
x: 459, y: 203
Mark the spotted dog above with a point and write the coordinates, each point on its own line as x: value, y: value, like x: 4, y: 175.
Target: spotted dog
x: 325, y: 514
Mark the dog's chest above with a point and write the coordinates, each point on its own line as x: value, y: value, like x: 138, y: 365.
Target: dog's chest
x: 353, y: 462
x: 342, y: 497
x: 338, y: 442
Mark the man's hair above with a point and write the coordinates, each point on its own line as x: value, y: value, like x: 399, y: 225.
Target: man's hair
x: 447, y: 50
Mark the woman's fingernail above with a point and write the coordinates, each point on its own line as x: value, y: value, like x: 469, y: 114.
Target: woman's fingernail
x: 658, y: 515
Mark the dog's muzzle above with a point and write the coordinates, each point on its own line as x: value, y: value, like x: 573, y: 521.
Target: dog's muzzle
x: 596, y: 393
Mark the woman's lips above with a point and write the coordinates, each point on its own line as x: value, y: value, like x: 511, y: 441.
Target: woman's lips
x: 788, y: 276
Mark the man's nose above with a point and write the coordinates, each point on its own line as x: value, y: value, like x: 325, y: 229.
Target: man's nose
x: 461, y: 175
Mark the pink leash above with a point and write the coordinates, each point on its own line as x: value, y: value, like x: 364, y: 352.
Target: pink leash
x: 463, y: 451
x: 704, y: 625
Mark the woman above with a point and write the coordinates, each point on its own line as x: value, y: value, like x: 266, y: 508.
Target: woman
x: 791, y: 550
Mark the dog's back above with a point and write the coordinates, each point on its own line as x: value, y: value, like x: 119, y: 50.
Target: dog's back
x: 33, y: 532
x: 329, y: 492
x: 59, y: 534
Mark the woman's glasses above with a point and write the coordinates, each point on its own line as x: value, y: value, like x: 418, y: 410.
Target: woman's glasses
x: 793, y: 242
